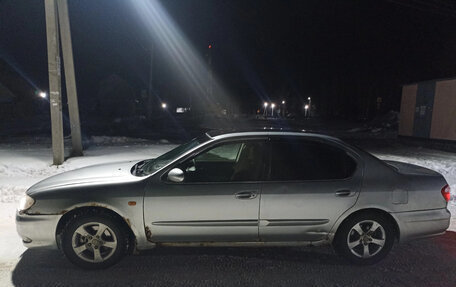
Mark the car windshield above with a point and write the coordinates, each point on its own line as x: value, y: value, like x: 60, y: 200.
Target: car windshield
x: 150, y: 166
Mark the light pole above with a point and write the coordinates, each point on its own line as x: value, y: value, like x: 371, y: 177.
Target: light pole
x: 265, y: 112
x: 306, y: 108
x: 272, y: 109
x: 310, y: 105
x: 70, y: 79
x: 282, y: 110
x: 55, y: 93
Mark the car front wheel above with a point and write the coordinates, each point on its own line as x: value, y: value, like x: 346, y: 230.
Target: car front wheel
x: 365, y: 239
x: 94, y: 241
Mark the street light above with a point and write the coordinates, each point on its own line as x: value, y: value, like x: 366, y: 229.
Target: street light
x: 282, y: 110
x: 265, y: 106
x: 306, y: 107
x: 272, y: 109
x: 43, y: 95
x: 164, y: 105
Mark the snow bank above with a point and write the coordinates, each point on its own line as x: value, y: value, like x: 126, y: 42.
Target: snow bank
x: 10, y: 193
x: 442, y: 162
x: 105, y: 140
x: 25, y: 163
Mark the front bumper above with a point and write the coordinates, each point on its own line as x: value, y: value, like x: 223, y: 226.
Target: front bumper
x: 422, y: 224
x: 37, y: 230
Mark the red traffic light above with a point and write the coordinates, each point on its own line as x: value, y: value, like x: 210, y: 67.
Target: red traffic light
x: 210, y: 46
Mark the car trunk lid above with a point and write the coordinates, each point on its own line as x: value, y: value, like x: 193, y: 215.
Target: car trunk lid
x: 411, y: 169
x: 423, y: 186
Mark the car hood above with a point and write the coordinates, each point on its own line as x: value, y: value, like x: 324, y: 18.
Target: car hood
x: 407, y: 168
x: 97, y: 174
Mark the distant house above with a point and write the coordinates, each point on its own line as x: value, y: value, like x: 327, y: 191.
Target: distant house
x: 428, y: 110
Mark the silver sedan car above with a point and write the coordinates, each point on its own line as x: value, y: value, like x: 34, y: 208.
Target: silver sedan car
x: 262, y: 188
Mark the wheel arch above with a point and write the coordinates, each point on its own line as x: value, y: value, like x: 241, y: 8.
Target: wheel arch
x: 83, y: 210
x: 379, y: 211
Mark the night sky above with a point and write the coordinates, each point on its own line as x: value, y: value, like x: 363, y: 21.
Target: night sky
x: 344, y: 54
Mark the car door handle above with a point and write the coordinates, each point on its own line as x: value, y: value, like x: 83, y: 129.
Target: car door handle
x: 343, y: 192
x: 245, y: 194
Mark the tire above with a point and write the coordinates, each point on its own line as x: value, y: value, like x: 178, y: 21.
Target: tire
x: 83, y: 248
x: 359, y: 244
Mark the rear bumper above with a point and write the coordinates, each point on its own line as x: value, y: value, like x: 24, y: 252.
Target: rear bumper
x: 422, y: 224
x: 37, y: 230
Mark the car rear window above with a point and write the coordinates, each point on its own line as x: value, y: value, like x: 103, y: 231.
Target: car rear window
x: 293, y: 159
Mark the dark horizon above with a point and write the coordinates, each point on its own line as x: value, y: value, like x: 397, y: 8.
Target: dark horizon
x: 343, y: 54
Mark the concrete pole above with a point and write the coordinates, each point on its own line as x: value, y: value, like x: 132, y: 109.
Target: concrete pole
x: 70, y: 80
x: 55, y: 97
x: 151, y: 93
x: 210, y: 89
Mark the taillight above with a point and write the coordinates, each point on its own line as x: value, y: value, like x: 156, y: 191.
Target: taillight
x: 446, y: 192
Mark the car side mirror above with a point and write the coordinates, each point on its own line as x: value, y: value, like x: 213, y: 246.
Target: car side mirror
x: 176, y: 175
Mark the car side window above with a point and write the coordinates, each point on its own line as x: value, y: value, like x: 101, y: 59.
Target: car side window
x: 229, y: 162
x: 228, y: 152
x: 293, y: 159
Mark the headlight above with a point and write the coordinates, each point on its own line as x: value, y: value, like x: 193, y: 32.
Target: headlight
x: 25, y: 203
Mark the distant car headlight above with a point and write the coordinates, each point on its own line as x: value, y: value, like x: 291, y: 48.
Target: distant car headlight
x: 25, y: 203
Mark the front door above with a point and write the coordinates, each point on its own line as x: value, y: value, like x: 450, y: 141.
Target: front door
x: 217, y: 201
x: 310, y: 185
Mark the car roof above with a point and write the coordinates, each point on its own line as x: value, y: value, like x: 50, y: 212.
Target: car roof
x: 222, y: 134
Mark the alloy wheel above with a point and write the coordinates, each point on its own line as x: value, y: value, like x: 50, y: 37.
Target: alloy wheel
x: 94, y: 242
x: 366, y: 238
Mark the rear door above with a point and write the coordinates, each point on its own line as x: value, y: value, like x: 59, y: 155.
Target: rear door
x: 310, y: 184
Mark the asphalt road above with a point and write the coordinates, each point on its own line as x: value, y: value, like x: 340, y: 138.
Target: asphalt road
x: 428, y: 262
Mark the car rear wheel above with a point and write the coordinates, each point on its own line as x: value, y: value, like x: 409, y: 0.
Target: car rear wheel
x: 94, y: 241
x: 365, y: 238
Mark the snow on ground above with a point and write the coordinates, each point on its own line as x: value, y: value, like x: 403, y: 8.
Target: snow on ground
x: 23, y: 164
x: 26, y: 163
x: 440, y: 161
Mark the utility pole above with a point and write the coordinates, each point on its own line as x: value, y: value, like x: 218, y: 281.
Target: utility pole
x: 55, y: 95
x: 70, y: 80
x: 151, y: 94
x: 210, y: 83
